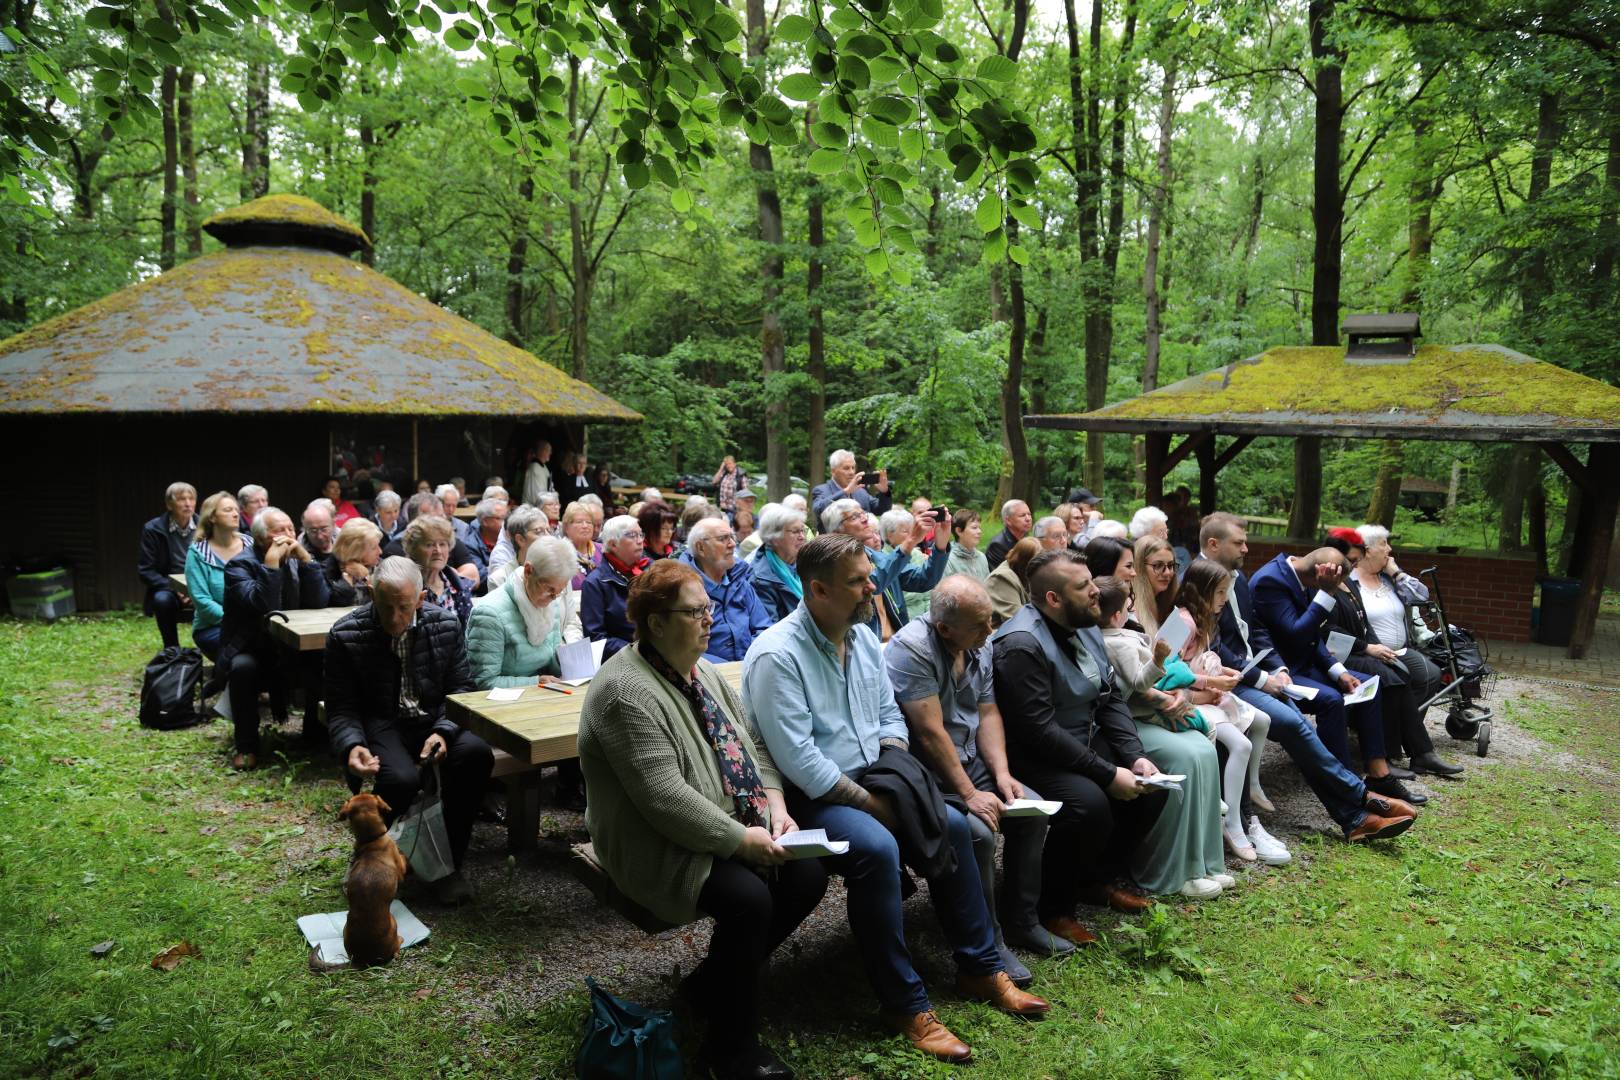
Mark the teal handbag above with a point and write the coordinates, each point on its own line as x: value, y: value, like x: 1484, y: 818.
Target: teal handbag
x: 626, y: 1041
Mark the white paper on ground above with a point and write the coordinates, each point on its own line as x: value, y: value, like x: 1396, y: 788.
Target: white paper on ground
x: 1019, y: 808
x: 579, y: 660
x: 1300, y: 693
x: 1175, y: 631
x: 506, y: 693
x: 811, y: 844
x: 222, y: 705
x: 1365, y: 692
x: 1340, y: 645
x: 1259, y: 656
x: 325, y: 932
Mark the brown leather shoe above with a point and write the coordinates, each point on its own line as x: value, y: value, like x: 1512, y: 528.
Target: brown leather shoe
x: 998, y: 990
x: 1384, y: 806
x: 1117, y: 897
x: 1379, y: 828
x: 1068, y: 928
x: 924, y: 1031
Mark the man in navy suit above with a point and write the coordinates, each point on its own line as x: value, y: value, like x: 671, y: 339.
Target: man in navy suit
x: 1362, y: 815
x: 1292, y: 597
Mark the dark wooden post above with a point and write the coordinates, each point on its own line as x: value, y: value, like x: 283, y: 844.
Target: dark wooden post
x: 1307, y: 508
x: 1597, y: 527
x: 1157, y: 445
x: 1207, y: 470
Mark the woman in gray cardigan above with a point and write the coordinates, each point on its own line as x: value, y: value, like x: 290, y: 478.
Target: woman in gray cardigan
x: 684, y: 806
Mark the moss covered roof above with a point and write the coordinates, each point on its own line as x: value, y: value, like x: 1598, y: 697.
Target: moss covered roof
x: 1467, y: 392
x: 281, y: 329
x: 290, y: 219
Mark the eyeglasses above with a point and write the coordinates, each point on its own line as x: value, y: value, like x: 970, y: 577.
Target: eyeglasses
x: 1162, y: 567
x: 696, y: 614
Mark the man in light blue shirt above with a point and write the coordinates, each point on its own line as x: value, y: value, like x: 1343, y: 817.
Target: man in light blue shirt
x: 818, y: 691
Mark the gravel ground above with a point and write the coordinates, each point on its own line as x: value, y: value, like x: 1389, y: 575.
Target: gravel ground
x: 559, y: 934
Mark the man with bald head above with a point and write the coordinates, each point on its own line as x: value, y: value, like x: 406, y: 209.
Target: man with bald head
x: 1016, y: 521
x: 1293, y: 596
x: 940, y: 665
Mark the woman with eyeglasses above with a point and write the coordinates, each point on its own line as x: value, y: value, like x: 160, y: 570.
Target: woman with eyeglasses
x: 606, y: 590
x: 515, y: 631
x: 1155, y: 586
x: 776, y: 577
x: 739, y: 617
x: 685, y: 808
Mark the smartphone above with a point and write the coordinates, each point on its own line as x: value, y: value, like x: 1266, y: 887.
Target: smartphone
x: 872, y: 479
x: 940, y: 510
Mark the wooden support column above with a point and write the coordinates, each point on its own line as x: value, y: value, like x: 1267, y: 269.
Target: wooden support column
x: 1597, y: 529
x: 416, y: 459
x: 1306, y: 511
x: 1206, y: 477
x: 1157, y: 446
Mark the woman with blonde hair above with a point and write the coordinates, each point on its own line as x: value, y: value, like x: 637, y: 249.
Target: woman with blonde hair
x: 355, y: 554
x: 1155, y: 586
x: 216, y: 542
x: 579, y: 529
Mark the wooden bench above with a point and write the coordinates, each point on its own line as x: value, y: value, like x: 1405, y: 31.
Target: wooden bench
x: 584, y: 866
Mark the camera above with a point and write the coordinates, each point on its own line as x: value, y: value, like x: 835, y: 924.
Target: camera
x: 870, y: 481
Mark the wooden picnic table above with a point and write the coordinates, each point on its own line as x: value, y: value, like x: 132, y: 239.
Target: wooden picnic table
x: 180, y: 584
x: 305, y: 629
x: 466, y: 513
x: 539, y: 728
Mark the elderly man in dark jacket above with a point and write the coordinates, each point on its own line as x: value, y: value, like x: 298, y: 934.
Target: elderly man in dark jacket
x: 389, y: 666
x: 275, y: 574
x: 164, y: 541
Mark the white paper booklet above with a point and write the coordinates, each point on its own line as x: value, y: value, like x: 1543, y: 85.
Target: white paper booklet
x: 325, y: 932
x: 580, y: 660
x: 1031, y: 808
x: 1259, y: 656
x: 1168, y: 781
x: 1365, y: 692
x: 811, y: 844
x: 1340, y: 645
x: 1175, y: 631
x: 1300, y: 693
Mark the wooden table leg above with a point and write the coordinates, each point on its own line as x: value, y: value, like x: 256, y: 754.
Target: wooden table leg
x: 523, y: 810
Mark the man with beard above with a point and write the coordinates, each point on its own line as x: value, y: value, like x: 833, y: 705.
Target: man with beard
x: 816, y: 687
x: 1070, y: 735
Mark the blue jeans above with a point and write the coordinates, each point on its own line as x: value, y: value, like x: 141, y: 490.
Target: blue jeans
x: 207, y: 639
x: 1340, y: 792
x: 871, y: 873
x: 1333, y: 718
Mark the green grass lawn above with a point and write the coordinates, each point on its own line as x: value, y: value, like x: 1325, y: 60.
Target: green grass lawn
x: 1484, y: 943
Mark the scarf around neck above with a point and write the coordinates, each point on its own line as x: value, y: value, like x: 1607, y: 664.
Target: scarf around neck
x: 537, y: 621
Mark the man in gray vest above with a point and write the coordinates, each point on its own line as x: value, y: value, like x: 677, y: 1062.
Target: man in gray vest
x: 940, y: 666
x: 1070, y: 734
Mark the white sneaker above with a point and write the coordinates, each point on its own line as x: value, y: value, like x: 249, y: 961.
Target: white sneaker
x: 1225, y: 881
x: 1268, y: 847
x: 1200, y: 888
x: 1224, y: 808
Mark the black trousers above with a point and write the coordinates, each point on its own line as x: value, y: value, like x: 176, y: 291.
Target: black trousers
x: 464, y: 772
x: 169, y: 611
x: 753, y: 914
x: 1090, y: 839
x: 248, y: 675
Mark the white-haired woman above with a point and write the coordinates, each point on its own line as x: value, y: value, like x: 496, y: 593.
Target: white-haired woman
x: 1149, y: 521
x: 355, y: 554
x: 427, y: 543
x: 385, y: 507
x: 606, y: 589
x: 515, y: 631
x: 776, y: 580
x: 522, y: 527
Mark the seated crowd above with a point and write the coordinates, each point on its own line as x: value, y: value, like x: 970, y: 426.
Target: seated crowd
x: 906, y: 686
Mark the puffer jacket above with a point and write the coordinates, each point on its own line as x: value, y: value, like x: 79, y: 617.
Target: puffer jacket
x: 362, y: 676
x: 252, y: 591
x: 740, y: 618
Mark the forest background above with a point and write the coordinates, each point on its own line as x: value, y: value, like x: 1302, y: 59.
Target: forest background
x: 893, y: 226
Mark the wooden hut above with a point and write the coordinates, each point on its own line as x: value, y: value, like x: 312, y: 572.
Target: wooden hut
x: 263, y: 363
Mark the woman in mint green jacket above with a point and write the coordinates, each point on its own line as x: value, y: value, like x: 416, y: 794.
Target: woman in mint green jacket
x: 217, y: 543
x: 515, y: 631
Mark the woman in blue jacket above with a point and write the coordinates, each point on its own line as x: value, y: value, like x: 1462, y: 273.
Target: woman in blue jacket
x: 776, y: 579
x: 218, y: 542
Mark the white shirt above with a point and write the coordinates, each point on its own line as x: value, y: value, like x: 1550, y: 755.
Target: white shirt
x: 1385, y: 613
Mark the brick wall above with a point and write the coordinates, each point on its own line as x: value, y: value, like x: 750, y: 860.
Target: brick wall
x: 1486, y: 593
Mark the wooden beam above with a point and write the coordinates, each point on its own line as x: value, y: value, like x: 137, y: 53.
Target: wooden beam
x: 1157, y: 445
x: 1578, y: 474
x: 1206, y: 477
x: 1185, y: 447
x: 1224, y: 458
x: 1598, y: 527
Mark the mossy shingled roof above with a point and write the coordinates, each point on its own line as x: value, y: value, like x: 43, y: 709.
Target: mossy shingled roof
x: 1465, y: 392
x: 281, y: 328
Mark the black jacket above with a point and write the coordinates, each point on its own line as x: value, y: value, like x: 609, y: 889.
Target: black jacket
x: 162, y: 553
x: 362, y: 676
x: 924, y: 838
x: 253, y: 591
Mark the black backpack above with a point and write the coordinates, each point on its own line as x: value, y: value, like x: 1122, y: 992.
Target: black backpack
x: 169, y: 690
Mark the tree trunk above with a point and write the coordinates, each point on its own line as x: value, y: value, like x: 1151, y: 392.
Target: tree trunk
x: 580, y: 270
x: 1015, y: 476
x: 1420, y: 216
x: 517, y: 264
x: 817, y: 420
x: 168, y: 214
x: 1522, y: 469
x: 1609, y: 222
x: 1307, y: 507
x: 1151, y: 298
x: 1536, y: 515
x: 188, y: 162
x: 772, y: 345
x: 1251, y: 235
x: 368, y: 185
x: 256, y: 126
x: 1386, y: 494
x: 1537, y: 282
x: 1084, y: 121
x: 1327, y: 206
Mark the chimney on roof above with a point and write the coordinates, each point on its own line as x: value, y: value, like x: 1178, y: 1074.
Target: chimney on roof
x: 1382, y: 339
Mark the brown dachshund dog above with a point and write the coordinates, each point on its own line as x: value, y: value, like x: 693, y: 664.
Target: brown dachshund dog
x: 371, y: 935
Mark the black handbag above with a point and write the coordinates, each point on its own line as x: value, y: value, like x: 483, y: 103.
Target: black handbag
x: 626, y: 1041
x: 169, y: 690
